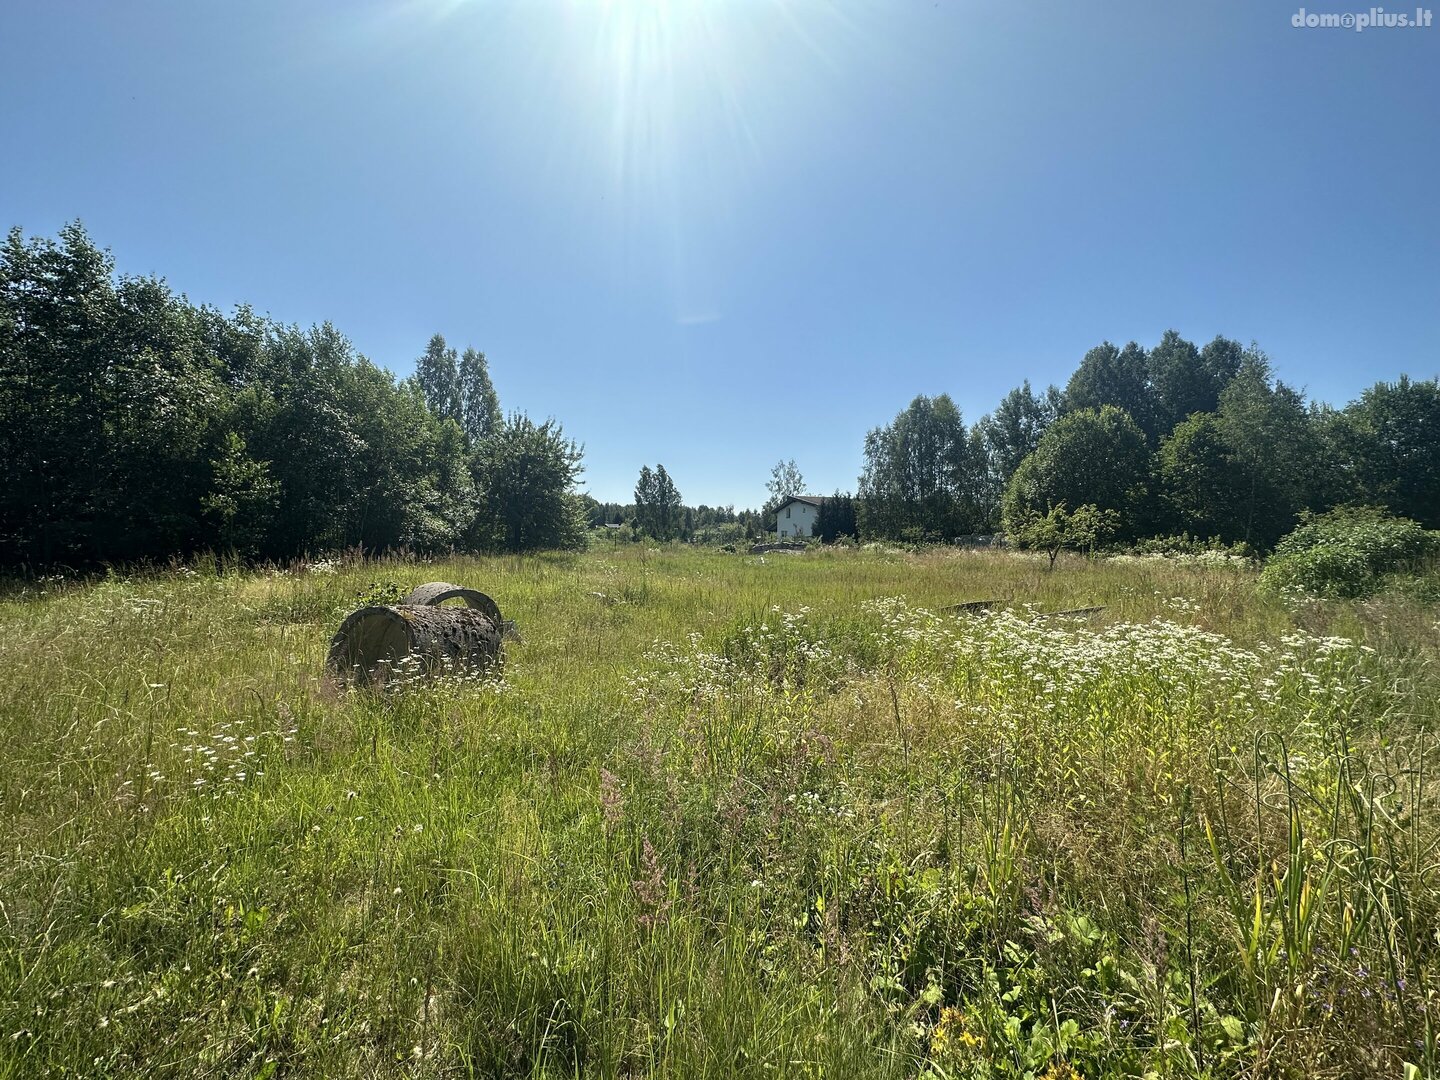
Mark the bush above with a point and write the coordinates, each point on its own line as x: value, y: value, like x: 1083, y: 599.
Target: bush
x: 1353, y: 551
x: 1185, y: 544
x: 1080, y: 531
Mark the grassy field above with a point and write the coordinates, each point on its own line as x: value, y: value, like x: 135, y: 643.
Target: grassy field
x: 722, y: 816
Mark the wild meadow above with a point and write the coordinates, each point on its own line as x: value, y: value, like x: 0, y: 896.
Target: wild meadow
x: 723, y: 815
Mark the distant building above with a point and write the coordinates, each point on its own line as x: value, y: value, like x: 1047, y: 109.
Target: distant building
x: 796, y: 515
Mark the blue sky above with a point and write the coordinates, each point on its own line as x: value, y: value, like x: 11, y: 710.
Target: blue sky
x: 716, y: 234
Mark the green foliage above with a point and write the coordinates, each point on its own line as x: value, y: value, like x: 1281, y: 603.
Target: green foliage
x: 242, y: 498
x: 1240, y: 454
x: 785, y: 481
x: 1392, y: 437
x: 700, y: 524
x: 924, y: 476
x: 1010, y: 434
x: 458, y: 387
x: 298, y: 414
x: 480, y: 415
x: 109, y: 408
x: 136, y: 426
x: 1187, y: 381
x: 1119, y: 378
x: 659, y: 511
x: 1353, y: 551
x: 1200, y: 479
x: 437, y: 373
x: 1089, y: 457
x: 836, y: 517
x: 380, y: 594
x: 1273, y: 452
x: 410, y: 486
x: 526, y: 475
x: 1060, y: 529
x: 1186, y: 544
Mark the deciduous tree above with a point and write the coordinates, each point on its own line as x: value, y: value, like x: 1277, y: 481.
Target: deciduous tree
x: 1119, y: 377
x: 1187, y: 381
x: 658, y: 508
x: 437, y: 372
x: 1096, y: 457
x: 1391, y: 435
x: 526, y: 475
x: 1059, y: 529
x: 924, y: 476
x: 1273, y: 450
x: 479, y: 403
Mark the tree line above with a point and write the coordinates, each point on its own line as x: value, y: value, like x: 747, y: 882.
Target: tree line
x: 135, y: 425
x: 659, y: 512
x: 1176, y: 440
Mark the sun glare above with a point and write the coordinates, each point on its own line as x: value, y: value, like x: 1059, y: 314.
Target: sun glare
x: 663, y: 116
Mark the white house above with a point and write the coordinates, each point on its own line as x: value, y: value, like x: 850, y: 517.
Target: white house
x: 796, y: 515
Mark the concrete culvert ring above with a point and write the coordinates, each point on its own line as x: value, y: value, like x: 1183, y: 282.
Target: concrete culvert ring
x: 435, y: 593
x: 374, y: 641
x: 366, y: 640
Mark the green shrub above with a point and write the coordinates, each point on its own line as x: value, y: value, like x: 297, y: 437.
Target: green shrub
x: 1185, y: 544
x: 1352, y: 551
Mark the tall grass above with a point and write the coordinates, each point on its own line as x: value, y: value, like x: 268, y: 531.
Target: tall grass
x: 722, y: 816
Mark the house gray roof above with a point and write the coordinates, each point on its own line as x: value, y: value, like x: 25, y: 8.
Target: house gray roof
x: 812, y: 500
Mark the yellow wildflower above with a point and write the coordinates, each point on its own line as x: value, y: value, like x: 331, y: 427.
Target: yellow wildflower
x: 953, y: 1030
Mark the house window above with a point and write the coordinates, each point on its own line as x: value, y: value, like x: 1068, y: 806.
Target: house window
x: 787, y: 511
